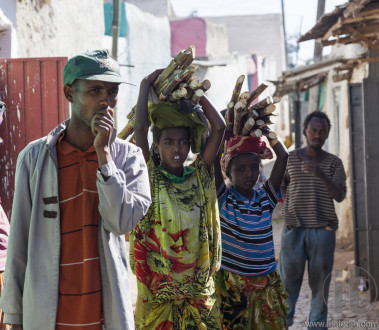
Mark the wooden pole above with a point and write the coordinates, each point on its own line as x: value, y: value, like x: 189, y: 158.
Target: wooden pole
x: 290, y: 109
x: 115, y: 27
x: 314, y: 92
x: 317, y: 52
x: 285, y: 35
x: 297, y: 105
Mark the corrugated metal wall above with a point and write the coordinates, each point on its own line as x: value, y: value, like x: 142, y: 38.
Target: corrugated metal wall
x: 32, y: 90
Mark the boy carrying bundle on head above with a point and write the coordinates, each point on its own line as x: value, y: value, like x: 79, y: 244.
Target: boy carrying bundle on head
x: 250, y: 290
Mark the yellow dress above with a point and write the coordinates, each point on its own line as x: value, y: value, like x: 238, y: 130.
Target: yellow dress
x: 174, y: 252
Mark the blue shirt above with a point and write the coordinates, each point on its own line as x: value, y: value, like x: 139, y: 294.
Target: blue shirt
x: 247, y: 240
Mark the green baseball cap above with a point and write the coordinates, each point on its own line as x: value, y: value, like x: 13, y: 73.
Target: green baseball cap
x: 92, y: 65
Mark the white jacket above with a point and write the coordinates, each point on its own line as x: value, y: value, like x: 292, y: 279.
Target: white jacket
x: 30, y: 295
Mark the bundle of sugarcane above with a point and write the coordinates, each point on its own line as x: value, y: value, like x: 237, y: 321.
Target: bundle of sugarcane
x: 175, y: 83
x: 244, y: 119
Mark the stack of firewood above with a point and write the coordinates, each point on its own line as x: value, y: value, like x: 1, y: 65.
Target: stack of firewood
x: 242, y: 118
x: 175, y: 83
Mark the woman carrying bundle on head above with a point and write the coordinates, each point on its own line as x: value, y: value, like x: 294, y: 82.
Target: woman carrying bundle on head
x: 176, y: 249
x: 250, y: 290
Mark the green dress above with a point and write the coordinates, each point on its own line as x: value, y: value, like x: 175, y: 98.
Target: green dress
x: 175, y: 250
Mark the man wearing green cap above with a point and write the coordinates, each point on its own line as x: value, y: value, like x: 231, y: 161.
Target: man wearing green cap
x: 77, y: 192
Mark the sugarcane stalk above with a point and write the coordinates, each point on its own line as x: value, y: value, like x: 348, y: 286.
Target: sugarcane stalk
x: 191, y: 86
x: 267, y: 110
x: 243, y: 96
x: 178, y: 72
x: 253, y: 113
x: 242, y: 104
x: 229, y: 117
x: 259, y: 123
x: 131, y: 113
x: 184, y: 57
x: 256, y: 133
x: 127, y: 130
x: 165, y: 74
x: 194, y: 82
x: 170, y: 87
x: 255, y: 93
x: 267, y: 132
x: 272, y: 135
x: 205, y: 85
x: 249, y: 124
x: 262, y: 104
x: 189, y: 59
x: 269, y: 120
x: 237, y: 89
x: 197, y: 96
x: 153, y: 97
x: 238, y: 110
x: 189, y: 94
x: 172, y: 79
x: 177, y: 94
x: 188, y: 73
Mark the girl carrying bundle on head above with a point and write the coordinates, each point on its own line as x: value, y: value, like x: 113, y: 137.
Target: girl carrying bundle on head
x: 176, y: 248
x: 250, y: 290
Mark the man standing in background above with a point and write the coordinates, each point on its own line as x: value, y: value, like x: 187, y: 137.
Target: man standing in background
x: 314, y: 178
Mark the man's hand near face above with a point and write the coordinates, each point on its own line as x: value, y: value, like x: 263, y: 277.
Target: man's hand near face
x: 102, y: 126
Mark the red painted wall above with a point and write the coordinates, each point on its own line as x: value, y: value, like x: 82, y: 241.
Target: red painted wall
x: 32, y: 90
x: 189, y: 31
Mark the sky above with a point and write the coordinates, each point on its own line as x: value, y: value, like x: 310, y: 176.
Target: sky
x: 300, y: 15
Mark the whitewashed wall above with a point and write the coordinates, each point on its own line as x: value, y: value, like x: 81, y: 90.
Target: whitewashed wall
x: 336, y: 106
x: 255, y: 34
x: 217, y: 40
x: 58, y: 27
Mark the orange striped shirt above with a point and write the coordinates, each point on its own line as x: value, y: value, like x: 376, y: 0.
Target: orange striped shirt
x: 79, y: 301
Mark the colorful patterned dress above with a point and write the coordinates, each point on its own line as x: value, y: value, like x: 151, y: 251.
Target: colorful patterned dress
x: 175, y: 250
x: 250, y: 290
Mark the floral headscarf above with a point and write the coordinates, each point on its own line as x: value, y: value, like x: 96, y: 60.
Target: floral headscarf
x: 237, y: 145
